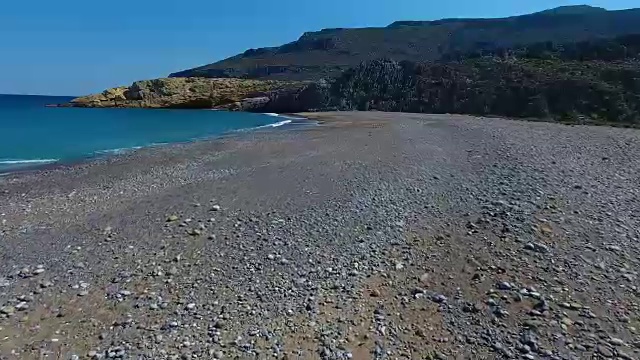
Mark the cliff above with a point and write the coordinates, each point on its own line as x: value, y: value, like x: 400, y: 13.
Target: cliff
x: 186, y: 93
x: 596, y: 81
x: 326, y: 53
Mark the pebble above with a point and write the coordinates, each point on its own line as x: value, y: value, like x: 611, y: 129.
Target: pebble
x: 267, y: 278
x: 439, y: 298
x: 537, y: 247
x: 504, y: 286
x: 604, y: 351
x: 8, y: 310
x: 616, y: 342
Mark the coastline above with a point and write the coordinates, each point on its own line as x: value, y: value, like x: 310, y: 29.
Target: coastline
x: 289, y: 121
x: 288, y: 233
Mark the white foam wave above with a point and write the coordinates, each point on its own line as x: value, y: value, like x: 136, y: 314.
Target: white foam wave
x: 118, y: 150
x: 284, y: 116
x: 274, y: 125
x: 31, y: 161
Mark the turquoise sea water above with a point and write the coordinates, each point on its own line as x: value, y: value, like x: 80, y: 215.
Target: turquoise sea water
x: 32, y: 134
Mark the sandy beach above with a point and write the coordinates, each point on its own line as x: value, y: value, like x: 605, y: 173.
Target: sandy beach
x: 370, y: 236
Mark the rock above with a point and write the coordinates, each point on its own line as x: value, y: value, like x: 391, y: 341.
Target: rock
x: 604, y: 351
x: 614, y: 248
x: 439, y: 298
x: 537, y: 247
x: 215, y: 208
x: 624, y: 355
x: 424, y: 278
x: 39, y: 270
x: 190, y: 93
x: 172, y: 218
x: 616, y: 342
x: 7, y: 310
x: 220, y: 324
x: 194, y: 232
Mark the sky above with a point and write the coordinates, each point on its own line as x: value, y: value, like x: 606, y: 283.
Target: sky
x: 76, y: 47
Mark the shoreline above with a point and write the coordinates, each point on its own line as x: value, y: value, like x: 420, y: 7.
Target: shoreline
x: 423, y: 225
x: 291, y: 121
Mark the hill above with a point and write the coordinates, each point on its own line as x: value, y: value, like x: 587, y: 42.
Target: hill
x: 594, y: 81
x: 328, y: 52
x: 585, y: 82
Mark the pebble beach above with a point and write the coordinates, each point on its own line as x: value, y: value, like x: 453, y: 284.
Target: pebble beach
x: 367, y: 236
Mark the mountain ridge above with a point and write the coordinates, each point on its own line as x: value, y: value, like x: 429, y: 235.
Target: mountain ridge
x: 328, y: 52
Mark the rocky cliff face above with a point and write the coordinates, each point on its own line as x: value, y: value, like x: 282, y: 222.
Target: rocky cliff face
x: 192, y: 93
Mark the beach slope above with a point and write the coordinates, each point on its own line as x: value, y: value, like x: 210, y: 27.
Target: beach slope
x: 371, y: 235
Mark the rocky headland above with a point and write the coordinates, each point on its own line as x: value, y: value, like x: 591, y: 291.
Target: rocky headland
x: 589, y: 82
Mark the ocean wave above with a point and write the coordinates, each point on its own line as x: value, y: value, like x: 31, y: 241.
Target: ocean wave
x: 284, y: 116
x: 274, y: 125
x: 26, y: 162
x: 117, y: 150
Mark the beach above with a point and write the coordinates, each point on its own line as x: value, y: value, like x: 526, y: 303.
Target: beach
x: 369, y: 235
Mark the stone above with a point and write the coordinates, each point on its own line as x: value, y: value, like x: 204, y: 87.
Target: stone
x: 537, y: 247
x: 220, y: 324
x: 604, y: 351
x: 624, y: 355
x: 172, y: 218
x: 194, y: 232
x: 424, y: 278
x: 7, y: 310
x: 616, y: 342
x: 439, y: 298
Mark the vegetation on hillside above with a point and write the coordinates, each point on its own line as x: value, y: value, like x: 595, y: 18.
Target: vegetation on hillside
x: 586, y: 82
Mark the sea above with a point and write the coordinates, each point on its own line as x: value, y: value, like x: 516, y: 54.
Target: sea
x: 32, y: 134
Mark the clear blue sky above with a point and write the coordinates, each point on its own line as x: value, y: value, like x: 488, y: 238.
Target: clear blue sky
x: 73, y: 47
